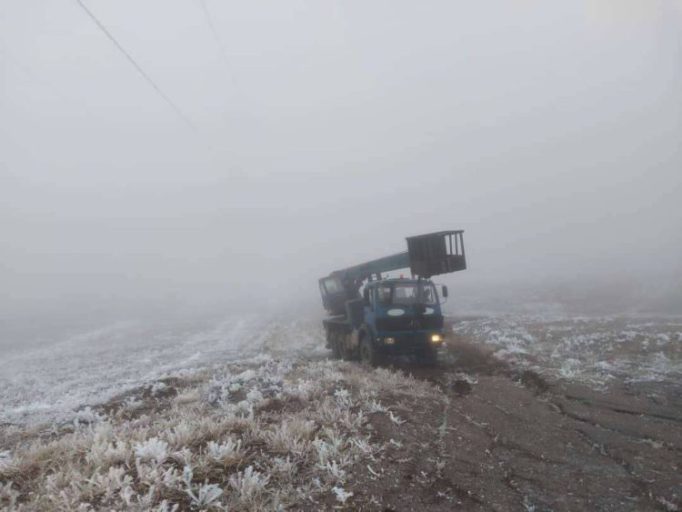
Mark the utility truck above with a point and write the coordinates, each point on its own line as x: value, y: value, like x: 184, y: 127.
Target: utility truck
x: 372, y: 316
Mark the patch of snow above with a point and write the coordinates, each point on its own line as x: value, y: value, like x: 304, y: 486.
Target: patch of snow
x: 593, y: 350
x: 158, y: 387
x: 668, y: 505
x: 5, y: 459
x: 341, y: 494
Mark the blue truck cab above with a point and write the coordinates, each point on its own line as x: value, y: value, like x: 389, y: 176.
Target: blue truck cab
x: 402, y: 316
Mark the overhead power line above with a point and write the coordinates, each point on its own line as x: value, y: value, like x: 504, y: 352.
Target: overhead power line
x: 211, y: 26
x: 139, y: 69
x: 219, y: 43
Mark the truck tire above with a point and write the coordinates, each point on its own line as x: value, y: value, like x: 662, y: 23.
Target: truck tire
x: 335, y: 342
x: 368, y: 353
x: 347, y: 353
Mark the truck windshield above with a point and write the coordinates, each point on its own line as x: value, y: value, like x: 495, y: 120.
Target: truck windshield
x: 406, y: 293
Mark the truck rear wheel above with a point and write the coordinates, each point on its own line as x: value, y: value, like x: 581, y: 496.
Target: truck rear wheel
x: 335, y: 342
x: 347, y: 351
x: 368, y: 353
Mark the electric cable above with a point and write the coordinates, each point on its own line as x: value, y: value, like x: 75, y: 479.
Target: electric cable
x: 139, y: 68
x: 221, y: 46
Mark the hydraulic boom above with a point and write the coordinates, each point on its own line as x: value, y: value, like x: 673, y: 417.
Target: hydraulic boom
x: 426, y: 256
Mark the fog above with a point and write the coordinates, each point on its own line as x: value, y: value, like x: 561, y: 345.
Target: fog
x: 313, y: 135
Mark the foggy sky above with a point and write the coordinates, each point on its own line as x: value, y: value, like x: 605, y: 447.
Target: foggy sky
x: 323, y: 134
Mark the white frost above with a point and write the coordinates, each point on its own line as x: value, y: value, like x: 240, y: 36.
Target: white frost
x: 153, y: 449
x: 341, y: 494
x: 5, y: 459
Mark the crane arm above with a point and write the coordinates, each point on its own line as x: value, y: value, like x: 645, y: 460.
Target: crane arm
x: 427, y: 255
x: 365, y: 270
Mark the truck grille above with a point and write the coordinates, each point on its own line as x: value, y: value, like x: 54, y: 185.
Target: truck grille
x: 409, y: 323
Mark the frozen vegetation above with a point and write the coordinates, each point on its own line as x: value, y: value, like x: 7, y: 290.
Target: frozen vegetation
x: 260, y: 434
x: 249, y: 414
x: 588, y: 349
x: 49, y: 383
x: 57, y: 382
x: 231, y: 418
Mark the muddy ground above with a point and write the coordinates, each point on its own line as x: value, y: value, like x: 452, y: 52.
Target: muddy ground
x: 508, y: 439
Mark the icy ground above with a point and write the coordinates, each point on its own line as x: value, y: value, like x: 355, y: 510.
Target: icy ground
x: 593, y: 350
x: 53, y: 382
x: 254, y: 417
x: 48, y: 384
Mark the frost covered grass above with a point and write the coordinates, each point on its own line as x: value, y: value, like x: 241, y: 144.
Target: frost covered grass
x: 97, y: 365
x: 257, y: 435
x: 592, y: 350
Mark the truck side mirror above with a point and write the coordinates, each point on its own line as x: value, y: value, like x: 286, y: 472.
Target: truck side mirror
x: 445, y: 292
x: 365, y: 296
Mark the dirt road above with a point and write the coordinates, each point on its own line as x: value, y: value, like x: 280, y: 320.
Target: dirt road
x: 511, y: 440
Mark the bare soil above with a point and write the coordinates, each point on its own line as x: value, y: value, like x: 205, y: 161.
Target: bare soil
x: 512, y: 440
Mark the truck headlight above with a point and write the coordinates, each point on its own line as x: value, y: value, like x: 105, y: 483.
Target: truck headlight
x: 436, y: 338
x: 389, y: 341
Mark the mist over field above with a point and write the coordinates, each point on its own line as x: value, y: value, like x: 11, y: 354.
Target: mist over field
x: 312, y: 136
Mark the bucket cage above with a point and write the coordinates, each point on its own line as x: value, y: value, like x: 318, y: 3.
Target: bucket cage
x: 436, y: 253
